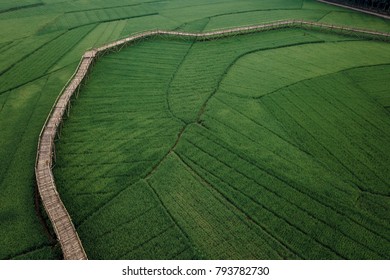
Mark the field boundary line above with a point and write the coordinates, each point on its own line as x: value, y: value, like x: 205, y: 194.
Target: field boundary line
x: 62, y: 223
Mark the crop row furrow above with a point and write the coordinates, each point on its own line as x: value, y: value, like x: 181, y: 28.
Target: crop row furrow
x: 38, y: 63
x: 310, y: 141
x: 363, y: 113
x: 241, y: 133
x: 132, y: 219
x: 27, y: 251
x: 96, y: 163
x: 268, y: 208
x: 329, y: 139
x: 294, y: 189
x: 27, y: 55
x: 288, y: 141
x: 330, y: 244
x: 4, y: 98
x: 125, y: 140
x: 273, y: 195
x: 90, y: 193
x: 336, y: 110
x: 106, y: 171
x: 243, y: 215
x: 273, y: 235
x: 6, y: 45
x: 168, y: 90
x: 154, y: 237
x: 265, y: 149
x: 102, y: 206
x: 176, y: 224
x: 326, y: 133
x: 370, y: 153
x: 203, y: 216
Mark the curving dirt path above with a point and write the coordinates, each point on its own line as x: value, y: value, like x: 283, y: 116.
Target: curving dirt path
x: 62, y: 223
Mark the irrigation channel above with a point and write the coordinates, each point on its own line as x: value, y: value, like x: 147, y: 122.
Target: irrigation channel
x: 62, y: 223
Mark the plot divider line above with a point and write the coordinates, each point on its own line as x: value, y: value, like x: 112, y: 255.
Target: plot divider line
x: 175, y: 222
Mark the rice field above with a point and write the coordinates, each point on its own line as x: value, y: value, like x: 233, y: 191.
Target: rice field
x: 263, y: 146
x: 259, y: 151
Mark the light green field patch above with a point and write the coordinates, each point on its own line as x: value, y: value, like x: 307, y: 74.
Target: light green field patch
x: 18, y: 145
x: 12, y: 29
x: 260, y: 73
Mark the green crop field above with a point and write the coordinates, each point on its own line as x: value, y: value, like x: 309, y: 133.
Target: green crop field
x: 271, y: 145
